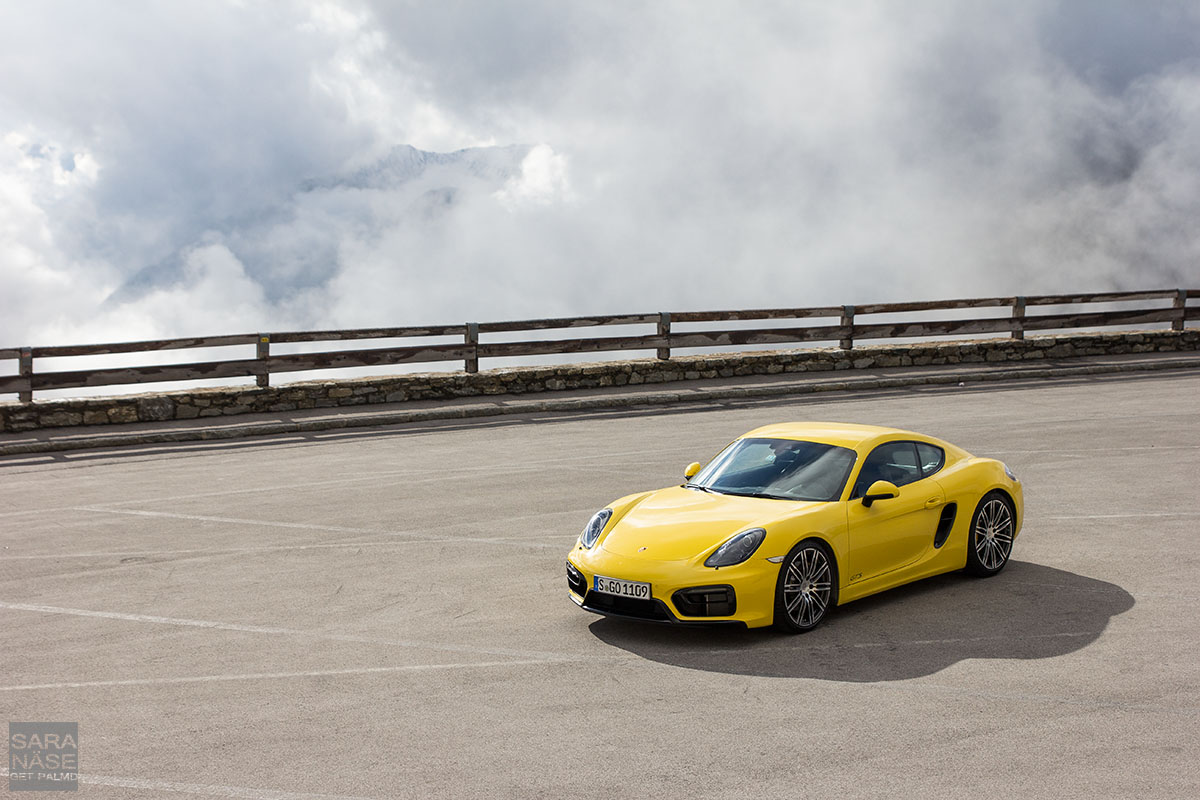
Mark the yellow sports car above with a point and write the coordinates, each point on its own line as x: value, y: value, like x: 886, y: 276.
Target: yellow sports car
x: 791, y: 520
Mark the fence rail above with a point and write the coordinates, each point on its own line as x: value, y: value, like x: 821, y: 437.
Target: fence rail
x: 845, y: 326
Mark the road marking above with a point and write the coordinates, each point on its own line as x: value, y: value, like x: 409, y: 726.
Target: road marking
x: 800, y: 648
x: 1107, y: 591
x: 507, y: 468
x: 1064, y: 450
x: 1090, y: 702
x: 530, y: 658
x: 411, y: 536
x: 280, y: 631
x: 212, y: 790
x: 518, y: 540
x: 629, y: 657
x: 255, y: 676
x: 1127, y: 516
x: 104, y: 508
x: 977, y: 639
x: 306, y: 526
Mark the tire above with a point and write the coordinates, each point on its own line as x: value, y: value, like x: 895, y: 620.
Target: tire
x: 807, y: 588
x: 989, y: 543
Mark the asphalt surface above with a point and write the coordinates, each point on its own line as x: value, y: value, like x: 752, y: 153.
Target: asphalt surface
x: 383, y: 613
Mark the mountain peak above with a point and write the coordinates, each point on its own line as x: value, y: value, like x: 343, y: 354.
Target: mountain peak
x: 405, y: 163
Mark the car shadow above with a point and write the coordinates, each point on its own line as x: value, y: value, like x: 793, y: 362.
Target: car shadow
x: 1027, y: 611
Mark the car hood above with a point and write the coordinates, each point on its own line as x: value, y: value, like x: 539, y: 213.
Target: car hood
x: 677, y: 524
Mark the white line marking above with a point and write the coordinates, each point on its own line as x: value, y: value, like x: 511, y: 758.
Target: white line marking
x: 410, y: 535
x: 638, y: 658
x: 801, y: 648
x: 1128, y: 516
x: 564, y: 545
x: 239, y: 521
x: 212, y: 790
x: 528, y: 658
x: 103, y: 508
x: 508, y: 468
x: 1046, y: 698
x: 255, y: 676
x: 29, y: 512
x: 1134, y: 595
x: 279, y: 631
x: 1065, y: 450
x: 977, y: 639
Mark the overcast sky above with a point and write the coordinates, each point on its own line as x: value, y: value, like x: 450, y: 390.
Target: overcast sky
x: 681, y: 155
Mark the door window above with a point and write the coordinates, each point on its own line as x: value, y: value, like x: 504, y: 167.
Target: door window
x: 894, y: 462
x: 932, y: 458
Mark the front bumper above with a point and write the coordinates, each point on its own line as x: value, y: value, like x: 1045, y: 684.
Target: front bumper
x: 681, y: 592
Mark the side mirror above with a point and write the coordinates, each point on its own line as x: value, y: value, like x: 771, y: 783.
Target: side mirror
x: 691, y: 469
x: 880, y: 490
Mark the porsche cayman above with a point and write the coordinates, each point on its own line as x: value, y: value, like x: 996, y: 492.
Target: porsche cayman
x: 790, y: 521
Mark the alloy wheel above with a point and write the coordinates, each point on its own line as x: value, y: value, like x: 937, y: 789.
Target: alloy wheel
x: 807, y: 586
x: 993, y: 534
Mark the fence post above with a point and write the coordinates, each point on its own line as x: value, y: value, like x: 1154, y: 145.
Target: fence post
x: 25, y: 370
x: 847, y: 322
x: 664, y: 329
x: 1180, y: 304
x: 1018, y: 316
x: 264, y: 352
x: 472, y: 341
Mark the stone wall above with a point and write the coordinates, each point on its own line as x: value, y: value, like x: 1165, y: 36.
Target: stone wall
x: 221, y: 402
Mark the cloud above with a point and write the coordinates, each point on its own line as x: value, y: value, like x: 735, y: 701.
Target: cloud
x: 670, y: 155
x: 543, y: 179
x: 214, y: 284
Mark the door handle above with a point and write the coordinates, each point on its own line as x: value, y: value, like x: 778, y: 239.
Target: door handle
x: 933, y: 502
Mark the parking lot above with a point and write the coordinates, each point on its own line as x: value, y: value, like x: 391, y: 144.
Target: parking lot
x: 383, y: 613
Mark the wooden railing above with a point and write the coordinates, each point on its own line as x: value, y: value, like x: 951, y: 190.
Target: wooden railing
x: 846, y: 326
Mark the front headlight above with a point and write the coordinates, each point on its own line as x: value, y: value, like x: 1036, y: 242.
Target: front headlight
x: 595, y: 525
x: 737, y: 549
x: 1011, y: 475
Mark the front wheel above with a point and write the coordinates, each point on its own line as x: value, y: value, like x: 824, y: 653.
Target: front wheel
x: 992, y: 529
x: 807, y: 587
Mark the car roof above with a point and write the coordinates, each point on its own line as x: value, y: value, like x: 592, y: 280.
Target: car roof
x: 843, y: 434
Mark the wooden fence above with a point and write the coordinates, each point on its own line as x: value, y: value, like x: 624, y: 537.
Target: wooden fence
x: 845, y: 326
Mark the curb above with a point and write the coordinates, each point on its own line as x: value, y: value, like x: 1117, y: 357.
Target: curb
x: 699, y: 394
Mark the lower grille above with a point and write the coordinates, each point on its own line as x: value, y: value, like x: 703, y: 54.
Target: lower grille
x: 627, y: 606
x: 706, y: 601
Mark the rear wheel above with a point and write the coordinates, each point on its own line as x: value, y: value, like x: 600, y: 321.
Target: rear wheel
x: 992, y: 529
x: 807, y: 587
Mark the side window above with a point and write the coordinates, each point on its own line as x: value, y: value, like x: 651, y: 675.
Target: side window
x: 895, y: 462
x: 932, y: 458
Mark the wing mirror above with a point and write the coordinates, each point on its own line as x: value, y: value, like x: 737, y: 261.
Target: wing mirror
x: 691, y: 469
x: 880, y: 490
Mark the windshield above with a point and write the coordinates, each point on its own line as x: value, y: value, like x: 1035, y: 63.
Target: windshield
x: 781, y: 469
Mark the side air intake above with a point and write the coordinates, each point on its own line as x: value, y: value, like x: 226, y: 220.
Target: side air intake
x: 949, y: 511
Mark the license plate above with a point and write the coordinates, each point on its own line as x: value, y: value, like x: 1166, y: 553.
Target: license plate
x: 619, y: 587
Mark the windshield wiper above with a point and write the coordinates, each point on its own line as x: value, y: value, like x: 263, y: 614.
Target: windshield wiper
x: 762, y: 495
x: 701, y: 488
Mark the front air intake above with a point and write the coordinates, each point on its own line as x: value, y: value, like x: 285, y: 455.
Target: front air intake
x: 638, y: 608
x: 575, y: 580
x: 706, y: 601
